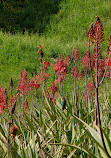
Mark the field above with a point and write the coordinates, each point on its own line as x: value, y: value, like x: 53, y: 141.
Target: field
x: 55, y: 97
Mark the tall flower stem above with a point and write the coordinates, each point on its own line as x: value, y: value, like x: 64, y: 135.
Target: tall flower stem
x: 75, y: 94
x: 86, y: 78
x: 8, y: 146
x: 43, y: 81
x: 97, y: 102
x: 23, y: 104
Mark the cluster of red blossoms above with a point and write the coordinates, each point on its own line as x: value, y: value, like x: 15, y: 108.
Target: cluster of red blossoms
x: 44, y: 74
x: 89, y: 91
x: 86, y: 61
x: 75, y: 73
x: 3, y: 99
x: 24, y: 86
x: 100, y: 61
x: 107, y: 61
x: 25, y: 105
x: 61, y: 68
x: 51, y: 94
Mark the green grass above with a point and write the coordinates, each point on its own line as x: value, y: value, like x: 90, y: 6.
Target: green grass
x: 67, y: 30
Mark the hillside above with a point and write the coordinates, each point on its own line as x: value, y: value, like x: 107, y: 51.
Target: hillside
x: 67, y: 29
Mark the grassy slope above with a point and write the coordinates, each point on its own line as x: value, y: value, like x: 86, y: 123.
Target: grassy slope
x: 67, y: 30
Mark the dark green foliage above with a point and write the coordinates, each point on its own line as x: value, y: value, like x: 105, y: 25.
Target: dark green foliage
x: 31, y: 15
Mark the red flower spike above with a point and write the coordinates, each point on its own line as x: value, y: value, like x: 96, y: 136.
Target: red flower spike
x: 80, y: 75
x: 12, y: 101
x: 98, y: 31
x: 25, y: 105
x: 90, y: 33
x: 86, y: 61
x: 75, y: 54
x: 45, y: 65
x: 109, y: 40
x: 54, y: 87
x: 22, y: 87
x: 75, y: 72
x: 44, y: 77
x: 30, y: 84
x: 33, y: 83
x: 107, y: 74
x: 110, y: 44
x: 107, y: 61
x: 61, y: 68
x: 23, y: 75
x: 68, y: 58
x: 86, y: 96
x: 90, y: 86
x: 100, y: 61
x: 50, y: 98
x: 90, y: 90
x: 3, y: 99
x: 62, y: 77
x: 36, y: 84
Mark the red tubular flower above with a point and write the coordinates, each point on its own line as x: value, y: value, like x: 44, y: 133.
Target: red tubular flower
x: 33, y: 83
x: 90, y: 86
x: 90, y: 33
x: 75, y: 72
x: 61, y: 65
x: 86, y: 61
x: 61, y: 68
x: 107, y: 62
x: 80, y: 75
x: 40, y: 47
x: 30, y: 84
x: 45, y: 65
x: 90, y: 90
x: 107, y: 74
x: 50, y: 98
x: 110, y: 42
x: 75, y: 54
x: 100, y: 61
x: 3, y: 99
x: 109, y: 47
x: 68, y: 58
x: 36, y: 84
x: 54, y: 87
x: 12, y: 101
x: 25, y: 105
x: 44, y: 77
x: 40, y: 51
x: 22, y: 87
x: 23, y: 75
x: 98, y: 31
x: 86, y: 96
x: 62, y: 77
